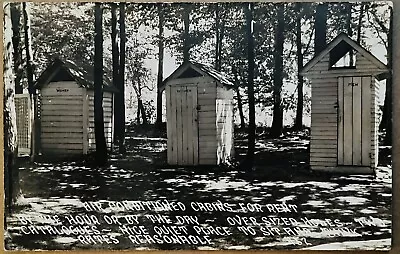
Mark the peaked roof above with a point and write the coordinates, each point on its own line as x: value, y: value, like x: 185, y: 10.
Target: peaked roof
x: 84, y: 76
x: 341, y: 43
x: 202, y: 70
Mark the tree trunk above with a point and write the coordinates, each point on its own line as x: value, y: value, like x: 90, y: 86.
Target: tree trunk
x: 349, y: 29
x: 217, y: 38
x: 16, y: 40
x: 11, y: 173
x: 115, y: 73
x: 387, y: 112
x: 28, y: 48
x: 320, y: 27
x: 186, y: 35
x: 248, y: 163
x: 142, y: 112
x: 121, y: 78
x: 160, y: 62
x: 298, y: 125
x: 277, y: 122
x: 360, y: 22
x: 239, y: 99
x: 101, y: 148
x: 138, y: 112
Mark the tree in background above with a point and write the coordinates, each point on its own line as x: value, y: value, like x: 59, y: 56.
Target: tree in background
x: 160, y: 12
x: 186, y: 34
x: 28, y: 48
x: 115, y: 73
x: 298, y: 123
x: 320, y: 27
x: 277, y: 122
x: 118, y: 70
x: 70, y: 37
x: 248, y: 163
x: 101, y: 148
x: 385, y: 33
x: 16, y: 9
x: 121, y: 78
x: 219, y: 36
x: 11, y: 173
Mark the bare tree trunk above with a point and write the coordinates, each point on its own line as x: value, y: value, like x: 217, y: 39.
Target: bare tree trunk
x: 186, y: 35
x: 143, y: 112
x: 248, y: 163
x: 160, y: 61
x: 138, y: 113
x: 360, y: 22
x: 320, y: 27
x: 28, y: 48
x: 11, y: 173
x: 277, y: 121
x: 219, y: 36
x: 349, y: 28
x: 121, y: 86
x: 389, y: 84
x: 298, y: 125
x: 115, y: 73
x: 101, y: 148
x: 16, y: 39
x: 239, y: 99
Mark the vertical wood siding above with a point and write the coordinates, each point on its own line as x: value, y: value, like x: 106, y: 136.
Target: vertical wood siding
x: 212, y: 110
x: 182, y: 128
x: 182, y: 122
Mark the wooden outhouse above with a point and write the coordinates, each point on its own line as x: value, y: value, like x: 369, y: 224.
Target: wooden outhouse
x: 344, y: 107
x: 66, y: 99
x: 199, y: 109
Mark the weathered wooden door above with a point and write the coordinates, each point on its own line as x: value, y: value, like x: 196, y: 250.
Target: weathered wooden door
x: 354, y: 121
x: 182, y: 125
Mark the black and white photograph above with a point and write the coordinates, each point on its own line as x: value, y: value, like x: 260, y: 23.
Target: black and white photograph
x: 198, y: 126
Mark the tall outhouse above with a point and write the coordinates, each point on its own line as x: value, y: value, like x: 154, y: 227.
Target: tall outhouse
x: 344, y: 107
x: 66, y: 115
x: 199, y: 110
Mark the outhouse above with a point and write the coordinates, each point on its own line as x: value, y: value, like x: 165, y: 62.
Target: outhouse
x: 66, y: 102
x: 199, y: 110
x: 344, y: 107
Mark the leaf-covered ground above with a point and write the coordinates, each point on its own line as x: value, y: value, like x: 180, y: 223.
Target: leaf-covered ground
x: 281, y: 175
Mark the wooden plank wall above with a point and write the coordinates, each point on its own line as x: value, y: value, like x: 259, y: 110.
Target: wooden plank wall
x: 367, y: 116
x: 108, y: 118
x: 324, y: 118
x: 61, y: 118
x: 374, y: 123
x: 323, y: 146
x: 224, y: 121
x: 207, y: 96
x: 364, y: 67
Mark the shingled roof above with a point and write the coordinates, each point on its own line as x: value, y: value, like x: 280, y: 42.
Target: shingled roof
x: 84, y: 76
x: 201, y: 70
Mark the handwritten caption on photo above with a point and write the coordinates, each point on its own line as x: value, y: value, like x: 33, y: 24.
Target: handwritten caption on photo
x: 149, y: 222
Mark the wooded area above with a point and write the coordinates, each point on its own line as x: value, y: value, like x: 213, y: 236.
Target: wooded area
x: 261, y: 47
